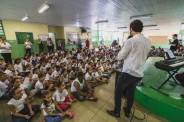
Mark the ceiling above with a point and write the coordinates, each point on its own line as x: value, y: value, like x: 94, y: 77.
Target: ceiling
x: 166, y: 13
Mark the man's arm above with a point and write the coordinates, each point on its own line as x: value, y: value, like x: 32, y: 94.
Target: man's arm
x: 79, y: 90
x: 125, y: 50
x: 175, y: 42
x: 88, y: 86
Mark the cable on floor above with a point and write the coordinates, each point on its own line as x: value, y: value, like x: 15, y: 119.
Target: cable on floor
x: 133, y: 112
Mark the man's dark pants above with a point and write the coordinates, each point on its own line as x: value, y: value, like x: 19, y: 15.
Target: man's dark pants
x: 129, y: 82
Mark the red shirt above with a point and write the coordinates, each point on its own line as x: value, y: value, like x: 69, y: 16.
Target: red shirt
x: 87, y: 43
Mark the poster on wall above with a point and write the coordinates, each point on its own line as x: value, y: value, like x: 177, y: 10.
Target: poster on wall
x: 72, y: 38
x: 43, y: 37
x: 22, y: 36
x: 158, y: 39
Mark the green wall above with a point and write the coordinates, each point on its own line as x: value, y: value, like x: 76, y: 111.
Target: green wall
x: 18, y: 50
x: 156, y: 101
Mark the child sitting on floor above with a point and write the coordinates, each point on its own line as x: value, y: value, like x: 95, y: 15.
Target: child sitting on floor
x: 65, y: 78
x: 17, y: 82
x: 41, y: 84
x: 98, y: 76
x: 50, y: 109
x: 28, y: 81
x: 4, y: 86
x: 20, y: 107
x: 82, y: 90
x: 63, y: 98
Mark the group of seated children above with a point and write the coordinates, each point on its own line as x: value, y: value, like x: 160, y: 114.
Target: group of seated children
x: 68, y: 75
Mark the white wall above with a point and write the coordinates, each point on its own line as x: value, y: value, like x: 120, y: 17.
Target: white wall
x: 168, y: 32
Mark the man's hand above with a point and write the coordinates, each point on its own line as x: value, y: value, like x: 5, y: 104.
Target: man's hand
x: 26, y: 116
x: 32, y: 112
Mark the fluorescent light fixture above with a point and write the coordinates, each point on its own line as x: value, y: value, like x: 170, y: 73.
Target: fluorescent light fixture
x: 121, y: 27
x: 154, y: 29
x: 150, y: 25
x: 101, y: 21
x: 43, y: 8
x: 146, y: 16
x: 182, y: 25
x: 25, y: 18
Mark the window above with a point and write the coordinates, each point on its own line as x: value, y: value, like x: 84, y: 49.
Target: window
x: 72, y: 38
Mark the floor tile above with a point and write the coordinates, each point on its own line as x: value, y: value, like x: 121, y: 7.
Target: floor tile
x: 94, y: 106
x: 103, y: 114
x: 103, y: 95
x: 75, y: 106
x: 153, y: 119
x: 97, y: 118
x: 83, y: 114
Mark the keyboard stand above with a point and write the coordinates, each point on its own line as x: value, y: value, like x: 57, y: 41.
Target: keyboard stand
x: 171, y: 75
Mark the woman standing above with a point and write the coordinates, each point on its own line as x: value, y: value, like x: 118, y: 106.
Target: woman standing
x: 87, y: 43
x: 28, y: 46
x: 40, y: 44
x: 50, y: 45
x: 5, y: 50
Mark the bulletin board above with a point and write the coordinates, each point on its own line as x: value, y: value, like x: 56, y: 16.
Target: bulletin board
x: 73, y: 37
x: 43, y: 37
x: 158, y: 39
x: 22, y: 36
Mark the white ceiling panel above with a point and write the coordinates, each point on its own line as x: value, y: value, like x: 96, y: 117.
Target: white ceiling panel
x: 166, y: 13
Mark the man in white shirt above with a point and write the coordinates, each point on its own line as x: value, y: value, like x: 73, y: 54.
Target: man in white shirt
x: 134, y: 54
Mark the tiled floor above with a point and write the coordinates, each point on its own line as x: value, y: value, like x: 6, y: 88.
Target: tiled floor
x: 96, y: 111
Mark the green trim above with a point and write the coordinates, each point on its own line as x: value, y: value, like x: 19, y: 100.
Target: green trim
x: 18, y: 50
x: 159, y: 104
x: 153, y: 100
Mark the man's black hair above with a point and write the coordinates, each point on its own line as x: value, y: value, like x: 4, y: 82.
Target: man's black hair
x: 136, y: 26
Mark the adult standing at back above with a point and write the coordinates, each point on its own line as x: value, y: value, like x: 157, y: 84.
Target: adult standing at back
x: 50, y: 45
x: 102, y: 41
x: 134, y: 54
x: 27, y: 45
x: 40, y: 44
x: 174, y: 44
x: 5, y: 50
x: 79, y: 44
x: 87, y: 43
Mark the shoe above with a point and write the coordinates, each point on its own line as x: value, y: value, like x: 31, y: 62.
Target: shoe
x: 93, y: 99
x: 111, y: 112
x: 127, y: 114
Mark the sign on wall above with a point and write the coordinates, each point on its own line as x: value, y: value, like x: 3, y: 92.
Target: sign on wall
x: 43, y: 37
x: 22, y: 36
x: 158, y: 39
x: 72, y: 38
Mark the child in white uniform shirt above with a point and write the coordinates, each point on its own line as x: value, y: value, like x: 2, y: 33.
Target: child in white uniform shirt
x: 9, y: 71
x: 28, y: 81
x: 20, y: 107
x: 41, y: 84
x: 4, y: 86
x: 65, y: 78
x: 50, y: 109
x: 43, y: 67
x: 17, y: 82
x: 18, y: 66
x: 63, y: 98
x: 89, y: 77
